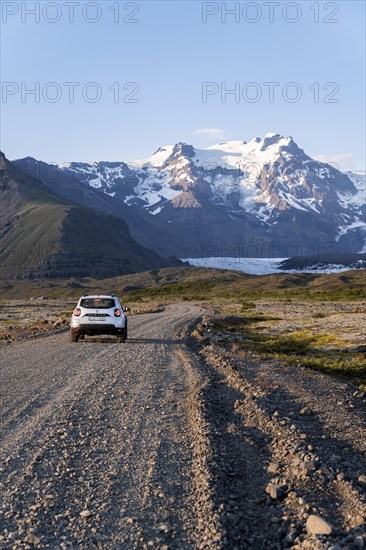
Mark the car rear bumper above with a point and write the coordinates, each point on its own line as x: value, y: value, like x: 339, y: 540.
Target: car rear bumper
x: 97, y: 328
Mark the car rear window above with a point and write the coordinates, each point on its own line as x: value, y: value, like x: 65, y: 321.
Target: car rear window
x: 97, y: 303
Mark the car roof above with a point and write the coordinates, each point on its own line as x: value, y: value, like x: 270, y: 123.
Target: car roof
x: 98, y: 296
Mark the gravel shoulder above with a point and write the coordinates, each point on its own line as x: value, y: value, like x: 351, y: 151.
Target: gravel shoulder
x: 297, y: 440
x: 172, y: 441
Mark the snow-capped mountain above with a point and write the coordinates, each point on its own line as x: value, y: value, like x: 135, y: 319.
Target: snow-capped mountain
x: 254, y: 193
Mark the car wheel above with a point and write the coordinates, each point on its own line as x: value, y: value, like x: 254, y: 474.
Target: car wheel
x: 82, y: 337
x: 123, y: 337
x: 74, y: 337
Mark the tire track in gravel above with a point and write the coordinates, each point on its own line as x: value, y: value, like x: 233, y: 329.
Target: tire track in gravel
x: 234, y: 453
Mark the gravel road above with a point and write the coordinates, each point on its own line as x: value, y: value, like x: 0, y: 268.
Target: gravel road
x: 156, y: 443
x: 98, y: 429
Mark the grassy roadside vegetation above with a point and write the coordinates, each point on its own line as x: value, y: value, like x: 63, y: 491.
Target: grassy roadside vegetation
x: 312, y: 348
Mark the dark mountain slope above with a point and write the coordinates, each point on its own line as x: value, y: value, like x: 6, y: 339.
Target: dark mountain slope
x: 71, y: 186
x: 43, y: 235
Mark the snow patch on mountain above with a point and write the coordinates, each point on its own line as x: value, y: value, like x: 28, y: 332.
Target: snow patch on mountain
x: 354, y: 203
x: 156, y: 160
x: 359, y: 181
x: 150, y: 191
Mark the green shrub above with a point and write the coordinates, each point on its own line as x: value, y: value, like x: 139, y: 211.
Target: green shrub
x: 287, y: 345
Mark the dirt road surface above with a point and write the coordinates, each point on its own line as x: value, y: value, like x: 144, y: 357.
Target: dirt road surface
x: 157, y: 443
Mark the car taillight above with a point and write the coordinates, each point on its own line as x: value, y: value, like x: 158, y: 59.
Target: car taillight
x: 77, y: 312
x: 117, y: 313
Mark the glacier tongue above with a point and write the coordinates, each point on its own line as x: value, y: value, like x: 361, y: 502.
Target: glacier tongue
x: 265, y: 266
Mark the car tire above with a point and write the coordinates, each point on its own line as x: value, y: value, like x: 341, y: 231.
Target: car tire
x: 123, y: 337
x: 74, y: 337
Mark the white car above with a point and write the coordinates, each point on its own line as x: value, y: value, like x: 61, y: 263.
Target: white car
x: 99, y: 314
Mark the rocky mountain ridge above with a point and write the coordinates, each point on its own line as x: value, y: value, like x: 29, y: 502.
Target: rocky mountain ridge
x: 260, y: 192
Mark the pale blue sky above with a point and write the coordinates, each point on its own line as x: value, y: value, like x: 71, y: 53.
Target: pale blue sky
x: 170, y: 52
